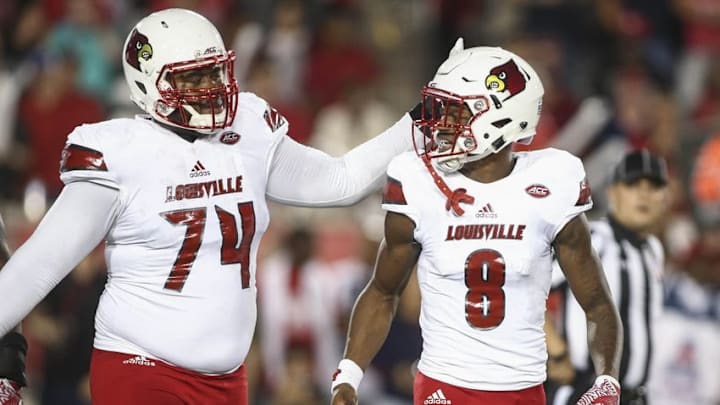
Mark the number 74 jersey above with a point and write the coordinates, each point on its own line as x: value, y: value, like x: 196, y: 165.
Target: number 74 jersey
x: 181, y: 252
x: 485, y: 275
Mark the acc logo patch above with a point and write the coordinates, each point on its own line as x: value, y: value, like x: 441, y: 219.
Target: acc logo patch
x: 138, y: 47
x: 538, y: 191
x: 273, y: 118
x: 230, y: 138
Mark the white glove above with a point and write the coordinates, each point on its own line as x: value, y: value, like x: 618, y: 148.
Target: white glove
x: 605, y: 391
x: 9, y: 392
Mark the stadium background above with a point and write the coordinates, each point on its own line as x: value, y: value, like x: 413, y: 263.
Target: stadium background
x: 618, y: 74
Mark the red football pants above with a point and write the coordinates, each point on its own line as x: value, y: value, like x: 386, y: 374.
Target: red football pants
x: 427, y: 391
x: 121, y: 379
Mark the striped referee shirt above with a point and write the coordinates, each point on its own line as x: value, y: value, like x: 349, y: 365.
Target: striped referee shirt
x: 633, y: 268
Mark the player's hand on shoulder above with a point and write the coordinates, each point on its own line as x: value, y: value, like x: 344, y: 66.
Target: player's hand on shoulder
x: 605, y: 391
x: 13, y: 349
x: 344, y: 394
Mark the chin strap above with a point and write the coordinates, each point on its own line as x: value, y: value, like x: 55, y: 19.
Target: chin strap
x: 454, y: 197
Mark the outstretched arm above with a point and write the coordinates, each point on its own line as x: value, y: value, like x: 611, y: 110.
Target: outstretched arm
x: 375, y: 307
x: 304, y: 176
x: 74, y: 225
x: 585, y: 276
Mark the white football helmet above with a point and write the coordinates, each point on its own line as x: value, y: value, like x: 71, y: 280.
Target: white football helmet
x: 503, y: 94
x: 179, y: 71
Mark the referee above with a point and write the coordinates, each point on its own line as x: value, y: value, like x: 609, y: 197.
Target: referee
x: 633, y: 261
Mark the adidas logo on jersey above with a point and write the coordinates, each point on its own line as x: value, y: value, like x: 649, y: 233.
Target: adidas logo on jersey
x: 437, y: 398
x: 199, y: 170
x: 140, y: 361
x: 486, y: 212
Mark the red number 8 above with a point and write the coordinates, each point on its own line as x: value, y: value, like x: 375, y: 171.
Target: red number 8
x: 485, y: 299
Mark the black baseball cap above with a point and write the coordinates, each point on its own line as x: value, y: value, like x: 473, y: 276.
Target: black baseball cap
x: 641, y: 164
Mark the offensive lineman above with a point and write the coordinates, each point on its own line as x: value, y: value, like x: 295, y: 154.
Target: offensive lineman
x: 482, y: 224
x: 180, y: 198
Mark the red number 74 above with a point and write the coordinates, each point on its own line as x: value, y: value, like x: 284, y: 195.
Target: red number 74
x: 230, y: 253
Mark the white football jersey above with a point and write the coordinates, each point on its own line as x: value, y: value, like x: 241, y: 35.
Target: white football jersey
x: 181, y: 254
x: 484, y: 276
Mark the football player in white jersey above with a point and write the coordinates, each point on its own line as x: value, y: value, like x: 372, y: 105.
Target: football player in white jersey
x: 180, y: 198
x: 482, y: 224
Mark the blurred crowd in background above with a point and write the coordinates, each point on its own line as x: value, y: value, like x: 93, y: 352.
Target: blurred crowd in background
x: 618, y: 74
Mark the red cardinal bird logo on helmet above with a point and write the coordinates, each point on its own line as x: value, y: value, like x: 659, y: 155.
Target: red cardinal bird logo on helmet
x: 138, y: 47
x: 506, y: 78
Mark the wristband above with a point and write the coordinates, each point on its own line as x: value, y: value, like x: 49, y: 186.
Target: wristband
x: 348, y: 372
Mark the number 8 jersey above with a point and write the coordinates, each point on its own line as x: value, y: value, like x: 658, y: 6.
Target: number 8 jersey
x: 484, y: 276
x: 181, y: 252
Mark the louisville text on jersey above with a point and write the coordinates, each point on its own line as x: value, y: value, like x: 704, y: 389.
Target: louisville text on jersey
x: 485, y: 231
x: 204, y: 189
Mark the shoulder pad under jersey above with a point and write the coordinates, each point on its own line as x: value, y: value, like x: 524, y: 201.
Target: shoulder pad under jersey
x: 564, y: 173
x: 99, y: 152
x: 253, y: 109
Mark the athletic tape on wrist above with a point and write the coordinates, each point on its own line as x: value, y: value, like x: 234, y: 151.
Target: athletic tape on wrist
x: 348, y: 372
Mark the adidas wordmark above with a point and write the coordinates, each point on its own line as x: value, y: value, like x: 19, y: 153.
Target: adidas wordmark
x: 437, y: 398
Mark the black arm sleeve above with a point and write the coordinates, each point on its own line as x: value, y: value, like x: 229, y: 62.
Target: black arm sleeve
x: 13, y: 349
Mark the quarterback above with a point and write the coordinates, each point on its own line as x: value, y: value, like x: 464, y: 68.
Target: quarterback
x: 179, y: 196
x: 482, y: 224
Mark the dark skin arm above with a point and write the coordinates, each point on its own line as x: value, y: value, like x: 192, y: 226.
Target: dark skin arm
x: 375, y: 307
x: 585, y: 276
